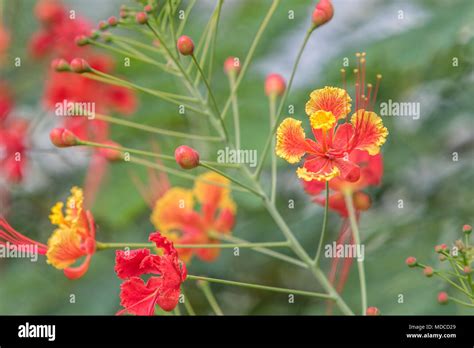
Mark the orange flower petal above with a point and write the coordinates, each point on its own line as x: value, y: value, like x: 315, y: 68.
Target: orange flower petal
x: 173, y: 210
x: 332, y: 99
x: 370, y: 133
x: 291, y: 140
x: 213, y: 191
x: 64, y: 248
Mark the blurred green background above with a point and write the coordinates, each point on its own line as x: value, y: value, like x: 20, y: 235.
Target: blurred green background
x: 414, y: 54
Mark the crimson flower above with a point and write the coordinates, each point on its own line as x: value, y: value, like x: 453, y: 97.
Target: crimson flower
x: 162, y: 288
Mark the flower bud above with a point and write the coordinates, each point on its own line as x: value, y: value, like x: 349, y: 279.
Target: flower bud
x: 62, y: 137
x: 79, y: 65
x: 443, y: 297
x: 232, y: 65
x: 60, y: 65
x: 274, y: 85
x: 81, y: 40
x: 148, y: 9
x: 362, y: 201
x: 323, y: 13
x: 372, y: 311
x: 103, y: 25
x: 440, y: 248
x: 410, y: 261
x: 123, y: 14
x: 467, y: 269
x: 185, y: 45
x: 111, y: 154
x: 442, y: 258
x: 186, y: 157
x: 141, y: 18
x: 94, y: 34
x: 112, y: 21
x: 428, y: 271
x: 467, y: 229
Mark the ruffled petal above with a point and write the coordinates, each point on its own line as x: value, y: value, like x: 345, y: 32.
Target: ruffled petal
x: 139, y: 298
x: 332, y: 99
x: 213, y: 196
x: 317, y: 168
x: 370, y: 133
x: 127, y: 263
x: 291, y: 142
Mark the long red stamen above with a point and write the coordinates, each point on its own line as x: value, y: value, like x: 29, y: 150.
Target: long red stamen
x: 377, y: 85
x: 10, y: 236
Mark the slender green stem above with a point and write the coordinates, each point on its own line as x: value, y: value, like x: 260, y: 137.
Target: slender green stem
x: 211, y: 95
x: 323, y: 229
x: 187, y: 304
x: 360, y: 264
x: 103, y: 246
x: 171, y: 25
x: 282, y: 104
x: 272, y: 102
x: 461, y: 302
x: 250, y: 54
x: 262, y: 287
x: 235, y: 181
x: 206, y: 289
x: 126, y: 149
x: 235, y: 111
x: 455, y: 285
x: 185, y: 19
x: 179, y: 173
x: 214, y: 39
x: 261, y: 250
x: 156, y: 130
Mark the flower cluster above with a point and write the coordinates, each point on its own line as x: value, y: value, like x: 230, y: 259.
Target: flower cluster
x: 176, y: 216
x: 461, y: 258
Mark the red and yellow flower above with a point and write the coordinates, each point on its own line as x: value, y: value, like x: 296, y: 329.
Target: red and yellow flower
x: 140, y: 298
x: 73, y: 239
x: 176, y: 216
x: 328, y: 156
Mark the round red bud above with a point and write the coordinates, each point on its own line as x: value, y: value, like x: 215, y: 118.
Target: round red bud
x: 372, y: 311
x: 81, y: 40
x: 467, y: 229
x: 185, y: 45
x: 440, y: 248
x: 274, y: 85
x: 148, y: 9
x: 467, y: 269
x: 362, y: 201
x: 123, y: 14
x: 428, y: 271
x: 186, y: 157
x: 112, y: 21
x: 141, y: 18
x: 410, y: 261
x: 60, y: 65
x: 62, y: 137
x: 103, y: 25
x: 232, y: 65
x: 322, y: 13
x: 79, y: 65
x: 443, y: 297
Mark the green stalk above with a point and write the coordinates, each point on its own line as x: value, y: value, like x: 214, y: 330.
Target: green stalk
x: 323, y: 229
x: 261, y: 287
x: 250, y: 53
x: 272, y: 100
x: 281, y: 106
x: 235, y: 111
x: 155, y: 130
x: 206, y: 289
x: 187, y: 304
x: 360, y: 264
x: 103, y: 246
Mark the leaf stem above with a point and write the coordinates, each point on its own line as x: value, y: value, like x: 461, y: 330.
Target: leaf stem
x: 360, y: 264
x: 262, y: 287
x: 323, y: 229
x: 206, y: 289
